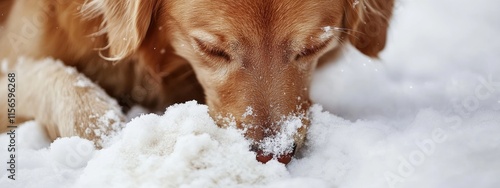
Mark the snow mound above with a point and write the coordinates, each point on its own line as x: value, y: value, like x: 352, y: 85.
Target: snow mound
x: 182, y: 148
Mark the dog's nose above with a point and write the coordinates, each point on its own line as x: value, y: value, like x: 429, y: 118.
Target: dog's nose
x: 283, y: 158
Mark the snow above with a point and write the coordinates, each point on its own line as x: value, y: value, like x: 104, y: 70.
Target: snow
x: 136, y: 111
x: 283, y: 142
x: 327, y: 32
x: 248, y: 112
x: 356, y: 2
x: 425, y: 115
x: 83, y: 82
x: 184, y: 147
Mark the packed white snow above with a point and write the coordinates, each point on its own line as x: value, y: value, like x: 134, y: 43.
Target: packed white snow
x: 427, y: 114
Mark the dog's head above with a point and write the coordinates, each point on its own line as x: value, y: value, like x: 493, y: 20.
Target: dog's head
x: 253, y: 58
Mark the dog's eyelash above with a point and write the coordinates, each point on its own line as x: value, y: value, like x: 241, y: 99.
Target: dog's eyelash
x: 312, y: 50
x: 213, y: 51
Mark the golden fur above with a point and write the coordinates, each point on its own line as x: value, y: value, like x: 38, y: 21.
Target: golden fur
x: 231, y: 54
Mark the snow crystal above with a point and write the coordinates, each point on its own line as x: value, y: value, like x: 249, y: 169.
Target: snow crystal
x: 97, y: 132
x: 83, y: 82
x: 88, y: 130
x: 248, y: 112
x: 356, y: 2
x: 327, y: 32
x: 327, y: 28
x: 109, y: 117
x: 70, y: 70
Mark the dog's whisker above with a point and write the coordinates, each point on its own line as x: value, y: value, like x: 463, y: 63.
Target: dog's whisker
x: 345, y: 29
x: 340, y: 41
x: 350, y: 32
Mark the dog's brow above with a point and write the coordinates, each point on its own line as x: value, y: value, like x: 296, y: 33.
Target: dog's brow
x: 204, y: 36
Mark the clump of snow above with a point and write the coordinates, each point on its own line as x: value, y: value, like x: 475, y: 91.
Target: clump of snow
x: 248, y: 112
x: 110, y: 118
x: 83, y: 82
x: 108, y: 125
x: 184, y: 147
x: 327, y: 32
x: 69, y: 70
x: 356, y: 2
x: 283, y: 141
x: 136, y: 111
x: 72, y: 152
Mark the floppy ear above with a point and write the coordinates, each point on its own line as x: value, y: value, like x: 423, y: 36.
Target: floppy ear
x: 127, y: 23
x: 367, y: 22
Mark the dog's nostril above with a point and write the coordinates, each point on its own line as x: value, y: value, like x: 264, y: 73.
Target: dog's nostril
x: 263, y: 158
x: 285, y: 159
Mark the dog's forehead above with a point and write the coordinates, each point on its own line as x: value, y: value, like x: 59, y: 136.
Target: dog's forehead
x: 262, y: 19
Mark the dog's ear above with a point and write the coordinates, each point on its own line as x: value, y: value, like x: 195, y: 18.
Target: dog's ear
x: 367, y: 22
x: 127, y: 22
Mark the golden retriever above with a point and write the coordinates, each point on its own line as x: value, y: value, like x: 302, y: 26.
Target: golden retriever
x: 235, y: 55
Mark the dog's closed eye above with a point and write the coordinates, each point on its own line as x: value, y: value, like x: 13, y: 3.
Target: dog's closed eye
x: 212, y: 50
x: 312, y: 50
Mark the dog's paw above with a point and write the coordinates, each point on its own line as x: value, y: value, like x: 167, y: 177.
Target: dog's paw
x: 94, y: 115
